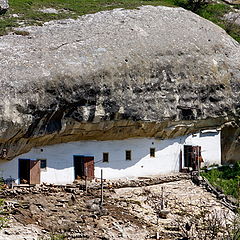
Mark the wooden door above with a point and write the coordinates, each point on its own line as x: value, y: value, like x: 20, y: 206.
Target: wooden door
x: 192, y: 156
x: 89, y: 167
x: 34, y: 171
x: 196, y: 157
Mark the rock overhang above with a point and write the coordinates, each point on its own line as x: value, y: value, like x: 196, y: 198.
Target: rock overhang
x: 155, y: 71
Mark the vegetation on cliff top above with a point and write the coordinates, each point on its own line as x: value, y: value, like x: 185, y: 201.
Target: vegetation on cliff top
x: 29, y: 12
x: 214, y: 12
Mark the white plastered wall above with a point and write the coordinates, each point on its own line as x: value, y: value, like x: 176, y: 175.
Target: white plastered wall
x: 60, y: 169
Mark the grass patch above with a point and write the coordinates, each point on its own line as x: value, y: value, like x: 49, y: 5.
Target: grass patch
x: 225, y: 178
x: 57, y: 237
x: 27, y: 12
x: 215, y: 13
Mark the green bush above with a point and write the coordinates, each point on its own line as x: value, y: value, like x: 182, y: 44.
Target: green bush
x: 192, y: 5
x: 225, y: 178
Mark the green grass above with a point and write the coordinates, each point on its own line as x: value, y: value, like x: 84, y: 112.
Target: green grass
x: 225, y: 178
x: 28, y: 13
x: 215, y: 13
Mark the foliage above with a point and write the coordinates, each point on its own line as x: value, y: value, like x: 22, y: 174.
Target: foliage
x: 3, y: 221
x: 232, y: 28
x: 1, y: 182
x: 53, y: 236
x: 214, y: 12
x: 57, y: 237
x: 27, y: 12
x: 192, y: 5
x: 225, y: 178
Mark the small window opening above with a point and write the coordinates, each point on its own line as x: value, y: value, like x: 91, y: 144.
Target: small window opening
x: 187, y: 114
x: 105, y: 157
x: 152, y: 152
x: 43, y: 164
x: 128, y: 155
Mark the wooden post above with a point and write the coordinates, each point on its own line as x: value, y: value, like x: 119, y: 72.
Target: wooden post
x: 101, y: 187
x: 180, y: 161
x: 198, y: 162
x: 162, y: 202
x: 86, y: 186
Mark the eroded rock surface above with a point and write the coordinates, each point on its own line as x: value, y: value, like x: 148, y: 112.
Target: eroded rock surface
x: 233, y: 17
x: 156, y: 71
x: 230, y: 142
x: 3, y: 6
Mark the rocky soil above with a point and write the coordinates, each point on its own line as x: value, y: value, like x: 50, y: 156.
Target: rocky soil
x: 127, y: 213
x: 152, y: 72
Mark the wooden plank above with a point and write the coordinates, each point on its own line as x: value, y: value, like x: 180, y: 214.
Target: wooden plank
x: 89, y: 165
x: 35, y: 172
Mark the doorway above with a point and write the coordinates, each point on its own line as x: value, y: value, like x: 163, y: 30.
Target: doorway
x: 24, y: 171
x: 83, y: 167
x: 29, y: 171
x: 192, y: 156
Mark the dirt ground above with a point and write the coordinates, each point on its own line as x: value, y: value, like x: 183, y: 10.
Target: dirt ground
x: 163, y: 211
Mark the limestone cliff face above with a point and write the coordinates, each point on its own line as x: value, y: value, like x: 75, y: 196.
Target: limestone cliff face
x: 156, y: 71
x: 231, y: 142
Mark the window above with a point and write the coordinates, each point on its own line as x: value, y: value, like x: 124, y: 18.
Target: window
x: 152, y: 152
x: 43, y: 164
x: 128, y: 155
x: 105, y: 157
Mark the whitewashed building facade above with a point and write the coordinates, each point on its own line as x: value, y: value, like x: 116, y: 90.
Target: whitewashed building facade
x: 63, y: 163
